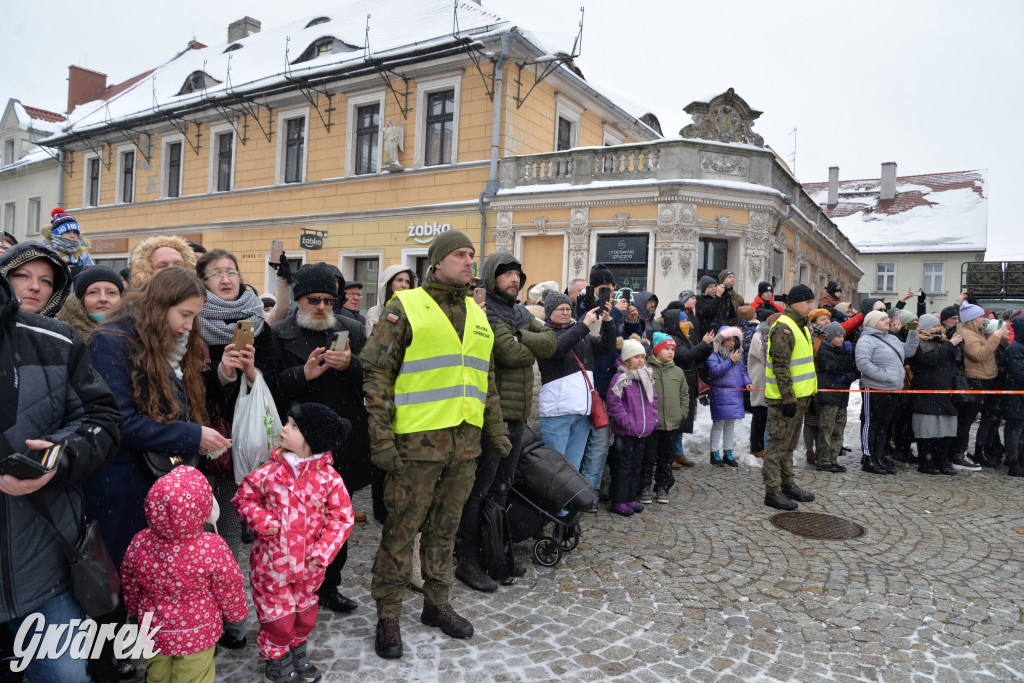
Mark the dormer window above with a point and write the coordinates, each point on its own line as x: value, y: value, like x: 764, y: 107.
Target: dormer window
x: 198, y: 80
x: 324, y: 46
x: 232, y: 47
x: 318, y: 20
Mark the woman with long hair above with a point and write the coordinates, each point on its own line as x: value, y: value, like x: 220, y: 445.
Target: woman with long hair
x: 153, y: 363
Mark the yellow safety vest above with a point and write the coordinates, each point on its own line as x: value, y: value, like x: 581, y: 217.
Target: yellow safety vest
x: 801, y: 363
x: 443, y: 381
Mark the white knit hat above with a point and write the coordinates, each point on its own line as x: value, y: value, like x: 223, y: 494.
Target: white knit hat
x: 872, y: 319
x: 630, y: 348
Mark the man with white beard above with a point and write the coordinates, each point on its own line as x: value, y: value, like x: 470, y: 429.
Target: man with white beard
x: 310, y: 370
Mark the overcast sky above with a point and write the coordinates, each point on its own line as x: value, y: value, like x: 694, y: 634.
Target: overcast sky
x: 932, y: 85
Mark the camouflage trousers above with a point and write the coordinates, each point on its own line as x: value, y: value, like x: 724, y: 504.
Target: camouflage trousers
x: 831, y: 426
x: 425, y: 497
x: 783, y: 436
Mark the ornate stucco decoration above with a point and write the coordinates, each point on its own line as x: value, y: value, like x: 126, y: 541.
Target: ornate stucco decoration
x: 504, y: 234
x: 579, y: 241
x: 675, y: 237
x: 724, y: 164
x: 541, y: 223
x: 725, y: 118
x: 758, y: 243
x: 723, y: 224
x: 622, y: 221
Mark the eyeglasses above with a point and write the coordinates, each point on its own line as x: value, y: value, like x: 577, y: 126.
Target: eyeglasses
x: 317, y: 300
x: 562, y: 309
x: 218, y: 276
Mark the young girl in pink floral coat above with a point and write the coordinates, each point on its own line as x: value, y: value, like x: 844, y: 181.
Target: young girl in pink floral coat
x: 186, y: 577
x: 300, y: 515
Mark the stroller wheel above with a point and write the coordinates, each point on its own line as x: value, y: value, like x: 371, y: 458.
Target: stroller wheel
x: 547, y: 552
x: 571, y: 539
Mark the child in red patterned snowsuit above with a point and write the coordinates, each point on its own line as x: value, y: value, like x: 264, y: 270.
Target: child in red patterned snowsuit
x: 300, y: 515
x: 186, y: 577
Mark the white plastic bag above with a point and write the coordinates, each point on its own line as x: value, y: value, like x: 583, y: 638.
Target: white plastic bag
x: 255, y: 429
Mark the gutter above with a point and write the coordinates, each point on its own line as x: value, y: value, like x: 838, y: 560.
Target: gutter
x: 792, y: 210
x: 492, y: 186
x: 60, y: 177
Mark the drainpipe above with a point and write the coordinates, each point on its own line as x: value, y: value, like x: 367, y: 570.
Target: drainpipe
x: 493, y: 185
x: 789, y: 202
x: 60, y: 179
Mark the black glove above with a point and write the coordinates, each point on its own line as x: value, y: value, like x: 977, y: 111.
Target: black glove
x: 284, y: 269
x: 789, y: 410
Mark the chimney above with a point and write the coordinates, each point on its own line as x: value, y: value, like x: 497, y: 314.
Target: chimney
x: 833, y: 185
x: 241, y: 28
x: 84, y: 85
x: 888, y: 182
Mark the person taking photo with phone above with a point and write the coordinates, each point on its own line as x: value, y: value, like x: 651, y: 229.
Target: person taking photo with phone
x: 311, y: 370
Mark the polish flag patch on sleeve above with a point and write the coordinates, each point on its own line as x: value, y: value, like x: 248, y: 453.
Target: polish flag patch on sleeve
x: 392, y: 317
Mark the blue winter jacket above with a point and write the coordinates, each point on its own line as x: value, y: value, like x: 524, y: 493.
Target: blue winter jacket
x: 726, y: 404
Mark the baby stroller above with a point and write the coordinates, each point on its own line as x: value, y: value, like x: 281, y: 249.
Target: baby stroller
x: 545, y: 483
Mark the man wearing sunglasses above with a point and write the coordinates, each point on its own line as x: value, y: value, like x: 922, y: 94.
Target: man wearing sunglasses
x: 312, y: 371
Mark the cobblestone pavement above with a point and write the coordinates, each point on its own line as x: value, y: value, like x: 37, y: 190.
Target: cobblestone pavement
x: 706, y: 589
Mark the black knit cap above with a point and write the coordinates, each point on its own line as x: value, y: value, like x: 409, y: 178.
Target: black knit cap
x: 320, y: 426
x: 948, y: 312
x: 799, y: 293
x: 601, y: 275
x: 832, y: 287
x: 92, y: 274
x: 763, y: 287
x: 315, y: 278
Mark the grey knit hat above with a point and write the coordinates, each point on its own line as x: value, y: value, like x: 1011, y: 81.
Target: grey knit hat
x: 553, y: 300
x: 928, y: 321
x: 706, y: 282
x: 685, y: 295
x: 834, y: 330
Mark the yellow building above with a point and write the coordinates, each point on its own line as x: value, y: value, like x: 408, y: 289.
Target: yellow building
x: 380, y: 133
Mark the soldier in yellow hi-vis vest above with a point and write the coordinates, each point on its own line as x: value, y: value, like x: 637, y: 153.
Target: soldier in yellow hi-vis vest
x: 790, y: 384
x: 429, y: 384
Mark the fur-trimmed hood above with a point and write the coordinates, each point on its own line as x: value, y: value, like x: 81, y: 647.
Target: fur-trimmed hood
x: 141, y: 263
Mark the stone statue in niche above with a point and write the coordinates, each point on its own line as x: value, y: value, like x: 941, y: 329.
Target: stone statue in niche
x: 394, y: 141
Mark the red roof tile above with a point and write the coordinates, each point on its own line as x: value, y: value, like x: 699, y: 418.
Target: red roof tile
x: 121, y: 87
x: 43, y: 114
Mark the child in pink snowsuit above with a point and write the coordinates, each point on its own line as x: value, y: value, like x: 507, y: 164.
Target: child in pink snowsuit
x: 300, y: 515
x: 186, y: 577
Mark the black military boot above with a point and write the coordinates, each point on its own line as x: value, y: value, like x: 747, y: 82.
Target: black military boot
x: 779, y: 501
x: 473, y: 576
x: 794, y: 492
x: 446, y: 619
x: 870, y: 464
x: 388, y: 643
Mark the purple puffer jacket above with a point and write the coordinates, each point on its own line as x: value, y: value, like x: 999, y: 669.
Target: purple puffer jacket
x: 633, y: 414
x: 726, y: 404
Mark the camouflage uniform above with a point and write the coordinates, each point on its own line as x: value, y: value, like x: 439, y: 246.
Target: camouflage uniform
x: 783, y: 432
x: 426, y: 494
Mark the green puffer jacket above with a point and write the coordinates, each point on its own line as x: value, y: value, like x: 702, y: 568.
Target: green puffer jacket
x: 519, y: 340
x: 672, y: 391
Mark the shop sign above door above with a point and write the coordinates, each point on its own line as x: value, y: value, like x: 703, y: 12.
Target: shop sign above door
x: 308, y: 240
x: 425, y: 232
x: 622, y: 249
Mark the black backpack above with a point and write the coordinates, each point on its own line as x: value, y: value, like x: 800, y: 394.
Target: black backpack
x: 496, y: 556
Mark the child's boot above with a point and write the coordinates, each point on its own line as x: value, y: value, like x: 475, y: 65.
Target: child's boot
x: 716, y: 459
x: 729, y: 460
x: 303, y: 667
x: 280, y: 670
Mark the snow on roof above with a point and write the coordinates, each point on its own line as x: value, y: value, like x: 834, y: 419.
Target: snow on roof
x: 35, y: 156
x: 37, y: 120
x: 396, y: 27
x: 938, y: 212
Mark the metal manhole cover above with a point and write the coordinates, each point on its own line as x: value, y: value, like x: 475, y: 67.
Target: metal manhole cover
x: 814, y: 525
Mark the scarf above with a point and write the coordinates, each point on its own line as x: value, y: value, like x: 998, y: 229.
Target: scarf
x: 218, y: 317
x: 65, y: 245
x: 627, y: 377
x: 563, y: 326
x: 817, y: 331
x: 176, y: 354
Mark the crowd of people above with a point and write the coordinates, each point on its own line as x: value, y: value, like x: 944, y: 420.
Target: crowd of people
x: 427, y: 400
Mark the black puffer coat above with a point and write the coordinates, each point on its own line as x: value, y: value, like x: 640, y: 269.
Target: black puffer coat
x: 933, y: 366
x: 835, y: 363
x: 1013, y: 406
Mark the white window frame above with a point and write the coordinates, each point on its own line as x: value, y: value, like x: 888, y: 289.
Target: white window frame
x: 354, y: 103
x: 38, y: 199
x: 119, y: 191
x: 9, y: 225
x: 887, y: 274
x: 165, y: 168
x: 283, y: 117
x: 925, y: 275
x: 610, y: 137
x: 215, y: 132
x: 572, y: 112
x: 423, y: 89
x: 87, y: 157
x: 347, y: 264
x: 270, y: 275
x: 12, y: 157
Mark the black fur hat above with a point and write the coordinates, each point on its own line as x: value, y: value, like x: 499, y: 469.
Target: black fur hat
x: 320, y: 426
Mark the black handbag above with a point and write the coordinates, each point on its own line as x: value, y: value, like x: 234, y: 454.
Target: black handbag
x: 159, y: 463
x: 94, y: 579
x: 961, y: 385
